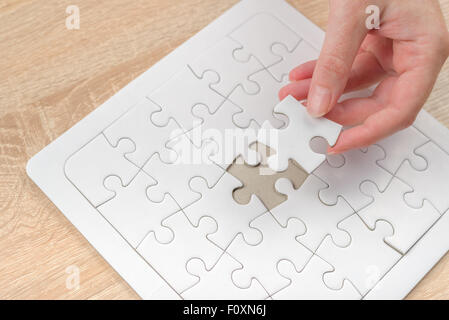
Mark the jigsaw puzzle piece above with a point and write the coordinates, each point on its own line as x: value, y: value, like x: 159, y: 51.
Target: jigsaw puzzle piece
x: 174, y: 178
x: 345, y: 179
x: 409, y: 224
x: 431, y: 183
x: 260, y: 33
x: 260, y: 261
x: 401, y: 146
x: 149, y: 139
x: 231, y: 141
x: 365, y: 261
x: 93, y: 163
x: 231, y: 217
x: 216, y: 284
x: 180, y: 94
x: 302, y: 53
x: 189, y: 242
x: 293, y: 141
x: 133, y: 214
x: 229, y: 72
x: 308, y: 283
x: 258, y: 107
x: 260, y: 180
x: 320, y: 219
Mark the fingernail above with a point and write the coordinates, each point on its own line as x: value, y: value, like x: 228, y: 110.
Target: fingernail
x: 319, y: 102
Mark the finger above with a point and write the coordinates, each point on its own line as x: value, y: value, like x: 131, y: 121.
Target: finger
x: 407, y: 97
x: 365, y: 72
x: 345, y: 33
x: 303, y: 71
x: 355, y: 111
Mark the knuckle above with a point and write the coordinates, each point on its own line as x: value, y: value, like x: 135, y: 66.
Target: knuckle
x: 407, y: 121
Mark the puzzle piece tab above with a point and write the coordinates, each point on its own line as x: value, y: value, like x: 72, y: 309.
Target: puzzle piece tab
x: 231, y: 141
x: 149, y: 139
x: 93, y: 163
x: 320, y: 219
x: 232, y: 218
x: 216, y: 284
x: 258, y: 107
x: 189, y: 242
x: 364, y: 261
x: 260, y: 33
x: 174, y: 178
x: 229, y: 72
x: 133, y: 214
x: 260, y: 261
x: 427, y: 184
x: 293, y: 141
x: 409, y: 224
x: 308, y: 283
x: 180, y: 94
x: 345, y: 179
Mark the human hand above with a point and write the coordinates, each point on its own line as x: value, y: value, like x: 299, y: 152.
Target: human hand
x: 405, y: 55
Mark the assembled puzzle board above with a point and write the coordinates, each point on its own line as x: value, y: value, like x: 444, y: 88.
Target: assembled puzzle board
x: 363, y: 225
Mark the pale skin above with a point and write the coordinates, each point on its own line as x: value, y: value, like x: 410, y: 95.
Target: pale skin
x: 405, y: 56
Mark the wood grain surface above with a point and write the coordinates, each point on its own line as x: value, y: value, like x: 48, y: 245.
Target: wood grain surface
x: 50, y: 78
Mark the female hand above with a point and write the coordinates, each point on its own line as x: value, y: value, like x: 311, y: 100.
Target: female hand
x: 405, y: 55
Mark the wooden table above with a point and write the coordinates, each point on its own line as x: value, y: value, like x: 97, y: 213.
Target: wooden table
x: 50, y: 78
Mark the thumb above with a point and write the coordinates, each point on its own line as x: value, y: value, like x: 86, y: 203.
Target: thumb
x: 345, y: 33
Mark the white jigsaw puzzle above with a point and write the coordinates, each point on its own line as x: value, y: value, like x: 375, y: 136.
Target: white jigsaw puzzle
x: 154, y: 198
x: 216, y: 284
x: 307, y: 284
x: 293, y: 142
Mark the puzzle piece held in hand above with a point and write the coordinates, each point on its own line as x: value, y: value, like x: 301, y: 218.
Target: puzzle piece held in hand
x: 260, y: 261
x: 230, y: 73
x: 232, y: 218
x: 308, y: 283
x: 93, y: 163
x: 189, y: 242
x: 365, y: 261
x: 409, y: 224
x: 427, y: 183
x: 133, y: 214
x: 216, y: 284
x: 260, y: 33
x: 180, y: 94
x: 320, y: 219
x: 345, y: 179
x: 293, y: 141
x: 149, y: 138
